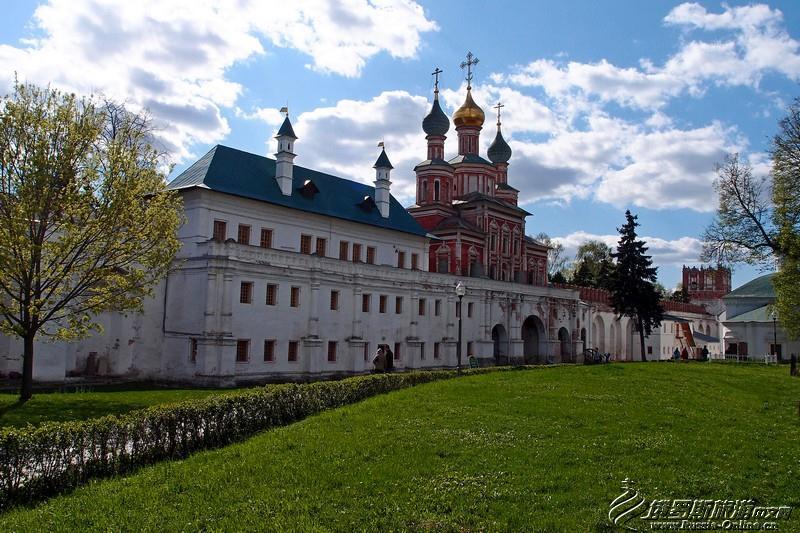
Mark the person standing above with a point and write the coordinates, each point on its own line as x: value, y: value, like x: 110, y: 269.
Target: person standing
x: 389, y: 357
x: 379, y: 361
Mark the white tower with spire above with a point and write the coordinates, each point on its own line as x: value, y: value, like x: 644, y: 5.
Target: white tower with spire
x: 285, y: 156
x: 382, y: 184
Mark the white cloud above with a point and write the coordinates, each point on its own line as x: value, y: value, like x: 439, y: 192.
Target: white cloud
x: 613, y: 160
x: 342, y: 139
x: 684, y: 250
x: 755, y: 43
x: 172, y: 56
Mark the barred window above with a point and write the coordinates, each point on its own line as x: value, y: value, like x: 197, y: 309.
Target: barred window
x: 266, y: 238
x: 242, y: 350
x: 243, y: 235
x: 246, y: 292
x: 272, y: 294
x: 220, y: 230
x: 269, y: 350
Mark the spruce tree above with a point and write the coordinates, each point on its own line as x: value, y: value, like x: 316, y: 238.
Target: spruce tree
x: 632, y: 282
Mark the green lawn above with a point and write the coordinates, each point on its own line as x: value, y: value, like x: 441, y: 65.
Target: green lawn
x: 541, y: 450
x: 82, y: 405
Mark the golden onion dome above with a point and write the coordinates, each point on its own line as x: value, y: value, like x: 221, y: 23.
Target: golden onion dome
x: 469, y: 114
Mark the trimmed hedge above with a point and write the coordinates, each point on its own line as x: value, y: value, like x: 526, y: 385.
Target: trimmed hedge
x: 37, y: 462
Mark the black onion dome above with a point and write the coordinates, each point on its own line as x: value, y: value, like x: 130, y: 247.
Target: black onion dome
x: 436, y: 123
x: 499, y: 151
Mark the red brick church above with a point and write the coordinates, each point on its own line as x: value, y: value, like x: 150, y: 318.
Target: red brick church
x: 467, y: 204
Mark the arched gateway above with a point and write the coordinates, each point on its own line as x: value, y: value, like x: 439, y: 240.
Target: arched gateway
x: 534, y: 340
x: 500, y: 342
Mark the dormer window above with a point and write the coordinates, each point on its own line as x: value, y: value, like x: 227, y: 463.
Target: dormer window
x: 367, y: 204
x: 309, y: 189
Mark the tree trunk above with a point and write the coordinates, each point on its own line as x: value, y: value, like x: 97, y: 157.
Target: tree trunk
x: 26, y: 391
x: 641, y: 337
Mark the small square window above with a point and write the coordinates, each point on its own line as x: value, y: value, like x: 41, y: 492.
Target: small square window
x: 334, y: 300
x: 246, y: 292
x: 269, y: 350
x: 242, y: 350
x: 266, y: 238
x: 305, y: 244
x: 220, y: 230
x: 272, y: 294
x: 331, y: 351
x: 294, y: 300
x: 365, y: 300
x: 243, y: 235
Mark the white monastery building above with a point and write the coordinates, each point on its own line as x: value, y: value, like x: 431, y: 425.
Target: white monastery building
x: 286, y: 272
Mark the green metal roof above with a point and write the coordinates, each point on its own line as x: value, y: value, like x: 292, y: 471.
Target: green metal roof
x: 760, y: 287
x: 239, y: 173
x: 470, y: 158
x: 762, y: 314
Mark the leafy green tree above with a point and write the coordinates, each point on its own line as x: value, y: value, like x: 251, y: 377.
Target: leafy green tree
x: 786, y: 218
x: 742, y: 231
x: 582, y: 276
x: 607, y: 267
x: 556, y: 260
x: 633, y: 282
x: 680, y: 294
x: 558, y: 277
x: 592, y: 253
x: 758, y: 222
x: 86, y: 221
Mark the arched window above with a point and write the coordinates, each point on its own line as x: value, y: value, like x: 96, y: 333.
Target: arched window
x: 424, y: 195
x: 436, y: 191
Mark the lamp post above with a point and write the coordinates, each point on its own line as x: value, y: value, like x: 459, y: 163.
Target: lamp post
x: 461, y: 290
x: 774, y: 317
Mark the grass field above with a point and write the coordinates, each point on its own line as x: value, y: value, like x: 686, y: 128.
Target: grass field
x: 537, y: 450
x: 82, y: 405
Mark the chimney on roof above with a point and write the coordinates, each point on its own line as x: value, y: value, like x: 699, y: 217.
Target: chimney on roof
x: 382, y: 184
x: 284, y: 158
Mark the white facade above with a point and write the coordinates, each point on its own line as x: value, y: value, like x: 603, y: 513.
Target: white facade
x: 198, y: 324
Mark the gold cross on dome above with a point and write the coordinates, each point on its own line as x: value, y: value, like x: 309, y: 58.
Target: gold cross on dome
x: 435, y: 75
x: 468, y: 64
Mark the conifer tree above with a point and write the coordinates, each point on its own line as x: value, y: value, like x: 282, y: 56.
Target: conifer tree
x: 632, y: 282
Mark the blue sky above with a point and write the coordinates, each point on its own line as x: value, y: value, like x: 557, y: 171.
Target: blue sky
x: 608, y: 105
